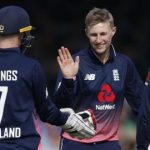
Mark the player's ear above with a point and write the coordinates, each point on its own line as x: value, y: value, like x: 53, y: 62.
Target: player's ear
x: 114, y: 29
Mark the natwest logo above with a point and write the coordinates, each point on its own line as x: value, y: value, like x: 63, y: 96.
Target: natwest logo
x: 105, y: 107
x: 106, y: 94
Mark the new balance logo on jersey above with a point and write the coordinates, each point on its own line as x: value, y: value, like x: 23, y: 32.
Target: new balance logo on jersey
x: 89, y: 77
x: 116, y: 75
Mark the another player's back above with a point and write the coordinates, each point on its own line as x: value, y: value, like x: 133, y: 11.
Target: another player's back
x: 16, y: 96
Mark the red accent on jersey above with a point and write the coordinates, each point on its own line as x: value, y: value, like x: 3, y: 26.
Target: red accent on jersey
x: 106, y: 94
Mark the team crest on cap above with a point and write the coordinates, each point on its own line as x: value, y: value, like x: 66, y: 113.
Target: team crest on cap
x: 1, y: 28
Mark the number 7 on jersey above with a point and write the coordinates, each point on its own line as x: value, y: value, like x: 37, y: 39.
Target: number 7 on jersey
x: 3, y: 91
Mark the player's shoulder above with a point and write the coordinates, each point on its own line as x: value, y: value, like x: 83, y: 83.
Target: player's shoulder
x: 81, y: 53
x: 123, y: 58
x: 28, y: 61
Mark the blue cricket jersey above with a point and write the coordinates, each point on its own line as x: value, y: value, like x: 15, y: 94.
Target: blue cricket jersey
x: 143, y: 124
x: 22, y: 90
x: 102, y: 88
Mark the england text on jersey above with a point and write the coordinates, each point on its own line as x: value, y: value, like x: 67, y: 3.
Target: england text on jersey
x: 14, y: 132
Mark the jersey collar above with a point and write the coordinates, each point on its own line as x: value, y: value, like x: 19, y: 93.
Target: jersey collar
x: 13, y: 50
x: 96, y: 60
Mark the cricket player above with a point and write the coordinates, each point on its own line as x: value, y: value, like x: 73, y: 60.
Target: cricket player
x: 143, y: 124
x: 23, y: 88
x: 100, y: 78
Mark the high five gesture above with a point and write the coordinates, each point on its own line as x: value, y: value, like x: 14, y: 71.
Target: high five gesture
x: 68, y: 66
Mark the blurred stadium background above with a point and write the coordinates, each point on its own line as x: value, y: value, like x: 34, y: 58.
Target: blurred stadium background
x: 61, y: 22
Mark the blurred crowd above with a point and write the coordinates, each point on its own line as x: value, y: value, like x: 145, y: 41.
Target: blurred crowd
x: 61, y: 22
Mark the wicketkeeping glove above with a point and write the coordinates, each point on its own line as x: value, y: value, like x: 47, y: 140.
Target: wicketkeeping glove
x: 80, y: 125
x: 89, y: 119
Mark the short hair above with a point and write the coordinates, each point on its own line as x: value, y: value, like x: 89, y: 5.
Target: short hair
x: 98, y: 15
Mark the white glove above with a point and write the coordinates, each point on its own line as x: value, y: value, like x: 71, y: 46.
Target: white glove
x: 89, y: 119
x: 76, y: 126
x: 149, y: 147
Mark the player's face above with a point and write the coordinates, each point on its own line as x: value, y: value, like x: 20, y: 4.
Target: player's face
x: 100, y: 36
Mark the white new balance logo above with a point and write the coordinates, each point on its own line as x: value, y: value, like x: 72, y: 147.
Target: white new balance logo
x: 89, y: 77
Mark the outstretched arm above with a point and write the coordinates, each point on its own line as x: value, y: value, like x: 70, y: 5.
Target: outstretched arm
x: 66, y: 83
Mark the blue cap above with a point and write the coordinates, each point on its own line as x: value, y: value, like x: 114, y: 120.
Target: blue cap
x: 14, y: 19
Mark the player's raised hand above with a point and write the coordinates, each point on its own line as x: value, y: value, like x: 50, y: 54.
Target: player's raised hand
x: 68, y: 66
